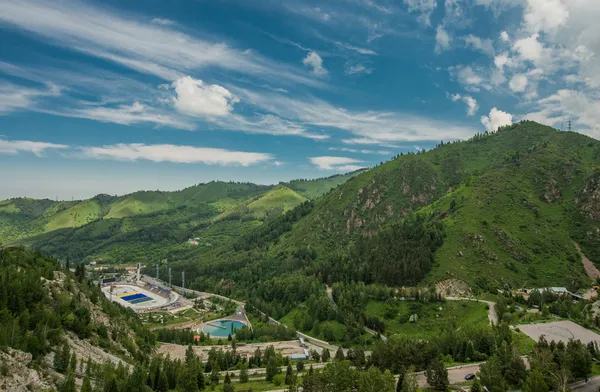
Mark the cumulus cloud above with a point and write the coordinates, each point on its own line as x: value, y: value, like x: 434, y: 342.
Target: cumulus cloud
x: 423, y: 7
x: 496, y: 119
x: 472, y: 79
x: 545, y: 15
x: 37, y: 148
x: 482, y: 45
x: 471, y: 103
x: 341, y: 164
x: 529, y: 48
x: 315, y: 62
x: 196, y: 98
x: 442, y: 39
x: 504, y: 36
x: 175, y: 153
x: 518, y: 83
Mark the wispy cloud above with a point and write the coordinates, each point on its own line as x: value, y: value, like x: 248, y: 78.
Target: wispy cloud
x: 141, y: 45
x: 15, y: 97
x: 362, y: 151
x: 176, y: 154
x: 341, y: 164
x: 37, y: 148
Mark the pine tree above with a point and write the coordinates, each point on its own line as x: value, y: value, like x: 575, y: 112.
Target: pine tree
x: 227, y: 378
x: 289, y: 373
x: 244, y: 375
x: 339, y: 354
x: 86, y: 386
x: 69, y: 384
x: 272, y: 369
x: 437, y: 375
x: 325, y: 355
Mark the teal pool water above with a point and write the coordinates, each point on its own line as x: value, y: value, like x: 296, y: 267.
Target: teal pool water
x: 222, y: 328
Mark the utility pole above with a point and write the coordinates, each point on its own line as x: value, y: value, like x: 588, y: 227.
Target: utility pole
x: 170, y: 284
x: 183, y: 280
x: 157, y: 271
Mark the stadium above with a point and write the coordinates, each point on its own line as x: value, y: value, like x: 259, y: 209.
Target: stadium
x: 140, y: 296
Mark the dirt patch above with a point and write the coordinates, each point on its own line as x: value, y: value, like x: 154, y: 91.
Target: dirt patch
x: 590, y: 268
x: 177, y: 351
x: 453, y: 288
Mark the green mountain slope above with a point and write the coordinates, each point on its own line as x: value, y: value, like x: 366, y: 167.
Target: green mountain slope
x: 509, y: 208
x: 313, y: 189
x: 276, y: 201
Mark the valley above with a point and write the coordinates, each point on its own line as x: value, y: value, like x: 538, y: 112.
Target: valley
x: 399, y: 274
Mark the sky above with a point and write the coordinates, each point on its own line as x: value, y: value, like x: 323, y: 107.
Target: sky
x: 113, y: 97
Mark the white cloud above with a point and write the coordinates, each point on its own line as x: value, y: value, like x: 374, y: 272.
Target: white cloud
x: 503, y: 60
x: 496, y: 119
x: 579, y: 105
x: 504, y: 36
x: 377, y: 127
x: 356, y: 49
x: 518, y: 83
x: 163, y: 22
x: 362, y: 151
x: 483, y: 45
x: 472, y: 79
x: 357, y: 69
x: 529, y: 48
x: 341, y: 164
x: 140, y: 45
x: 126, y: 115
x: 175, y: 153
x: 37, y: 148
x: 423, y: 7
x: 442, y: 39
x: 315, y: 62
x: 545, y: 15
x: 196, y: 98
x: 14, y: 97
x: 471, y: 103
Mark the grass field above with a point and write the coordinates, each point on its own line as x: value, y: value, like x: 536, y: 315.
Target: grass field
x: 280, y: 198
x: 433, y: 318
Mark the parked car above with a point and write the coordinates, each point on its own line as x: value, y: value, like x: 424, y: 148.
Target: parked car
x: 470, y: 376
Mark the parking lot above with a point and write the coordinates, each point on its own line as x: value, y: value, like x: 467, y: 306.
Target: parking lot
x: 559, y: 331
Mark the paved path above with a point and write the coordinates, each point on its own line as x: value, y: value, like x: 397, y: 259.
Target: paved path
x: 591, y: 386
x: 492, y: 316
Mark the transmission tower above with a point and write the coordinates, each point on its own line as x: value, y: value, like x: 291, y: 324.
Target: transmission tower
x: 569, y: 124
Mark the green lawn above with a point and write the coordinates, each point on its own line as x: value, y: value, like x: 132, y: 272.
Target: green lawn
x: 433, y: 318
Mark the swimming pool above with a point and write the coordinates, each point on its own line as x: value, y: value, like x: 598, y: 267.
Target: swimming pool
x: 222, y: 328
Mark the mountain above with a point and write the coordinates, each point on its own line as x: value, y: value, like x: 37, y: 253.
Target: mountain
x: 52, y: 320
x: 503, y: 209
x: 146, y: 225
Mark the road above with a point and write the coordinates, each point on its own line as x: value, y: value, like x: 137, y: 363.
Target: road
x: 591, y: 386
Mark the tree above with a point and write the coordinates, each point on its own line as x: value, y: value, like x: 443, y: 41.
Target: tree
x: 338, y: 376
x: 491, y: 375
x: 163, y: 383
x: 410, y: 384
x: 243, y: 375
x: 476, y: 387
x: 311, y: 381
x: 228, y: 388
x: 339, y: 354
x: 69, y: 384
x: 437, y: 375
x: 86, y: 386
x: 214, y: 376
x: 189, y: 354
x: 189, y: 382
x: 227, y: 379
x: 289, y: 373
x: 300, y: 365
x: 374, y: 381
x: 325, y: 355
x: 535, y: 382
x: 272, y: 369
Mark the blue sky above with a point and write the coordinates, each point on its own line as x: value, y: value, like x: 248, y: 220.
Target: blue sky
x: 113, y: 97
